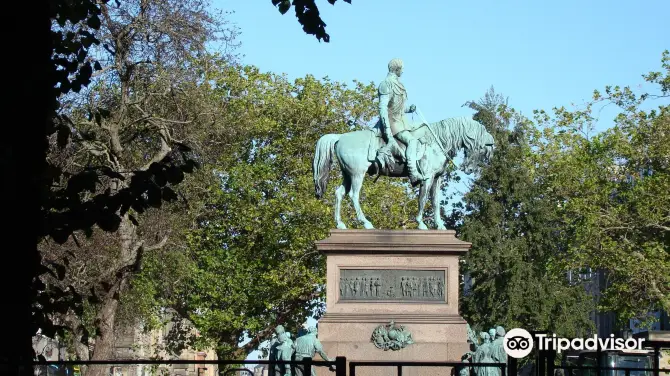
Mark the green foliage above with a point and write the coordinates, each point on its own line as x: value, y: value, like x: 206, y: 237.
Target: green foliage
x: 120, y: 152
x: 516, y: 235
x: 251, y: 264
x: 614, y: 190
x: 557, y: 200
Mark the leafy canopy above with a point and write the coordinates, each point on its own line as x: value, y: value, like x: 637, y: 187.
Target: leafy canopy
x: 251, y: 262
x: 516, y: 234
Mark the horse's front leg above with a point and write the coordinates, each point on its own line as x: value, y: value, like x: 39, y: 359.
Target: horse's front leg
x: 436, y: 193
x: 423, y: 198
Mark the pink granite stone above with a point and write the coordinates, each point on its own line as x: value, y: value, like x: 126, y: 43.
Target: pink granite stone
x: 439, y: 332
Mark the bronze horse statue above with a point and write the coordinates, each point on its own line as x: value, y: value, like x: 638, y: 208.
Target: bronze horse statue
x: 363, y: 151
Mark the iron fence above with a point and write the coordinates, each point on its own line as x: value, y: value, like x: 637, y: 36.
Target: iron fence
x: 456, y: 366
x: 68, y: 368
x: 542, y: 367
x: 608, y: 371
x: 546, y: 359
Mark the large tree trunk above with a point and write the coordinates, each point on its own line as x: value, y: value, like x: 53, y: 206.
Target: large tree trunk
x: 106, y: 317
x: 104, y: 341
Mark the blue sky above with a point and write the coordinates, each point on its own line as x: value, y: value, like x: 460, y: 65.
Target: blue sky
x: 539, y: 53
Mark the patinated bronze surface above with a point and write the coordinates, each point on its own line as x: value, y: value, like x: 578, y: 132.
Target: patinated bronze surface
x: 392, y: 284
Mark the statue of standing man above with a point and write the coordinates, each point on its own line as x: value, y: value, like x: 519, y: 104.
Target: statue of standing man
x: 307, y: 346
x: 278, y: 349
x: 484, y: 354
x: 499, y: 354
x: 394, y: 122
x: 285, y: 353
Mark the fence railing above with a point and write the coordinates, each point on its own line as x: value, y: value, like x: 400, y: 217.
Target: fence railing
x: 304, y: 365
x: 339, y: 364
x: 600, y: 370
x: 399, y: 366
x: 546, y: 359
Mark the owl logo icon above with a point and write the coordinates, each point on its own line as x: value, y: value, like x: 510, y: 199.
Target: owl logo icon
x: 518, y: 343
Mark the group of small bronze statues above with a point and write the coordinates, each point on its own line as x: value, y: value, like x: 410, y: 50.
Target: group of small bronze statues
x: 489, y: 350
x: 305, y: 346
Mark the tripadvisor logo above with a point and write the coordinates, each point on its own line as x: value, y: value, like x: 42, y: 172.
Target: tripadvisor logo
x: 518, y: 343
x: 592, y: 343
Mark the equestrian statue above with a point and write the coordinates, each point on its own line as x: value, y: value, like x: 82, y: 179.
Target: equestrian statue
x: 423, y: 154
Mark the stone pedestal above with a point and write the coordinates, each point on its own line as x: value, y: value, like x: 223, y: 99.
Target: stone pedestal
x: 428, y: 308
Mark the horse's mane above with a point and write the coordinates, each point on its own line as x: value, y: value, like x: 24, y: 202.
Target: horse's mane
x: 453, y: 133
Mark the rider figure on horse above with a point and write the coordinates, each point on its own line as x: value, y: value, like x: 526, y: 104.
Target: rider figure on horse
x: 394, y: 122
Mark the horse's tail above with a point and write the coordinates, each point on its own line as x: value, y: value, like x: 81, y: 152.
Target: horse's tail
x: 323, y: 160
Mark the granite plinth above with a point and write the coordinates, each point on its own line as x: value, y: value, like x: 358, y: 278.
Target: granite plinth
x: 429, y: 313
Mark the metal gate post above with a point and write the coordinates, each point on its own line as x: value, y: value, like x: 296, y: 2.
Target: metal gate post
x: 513, y: 366
x: 340, y: 366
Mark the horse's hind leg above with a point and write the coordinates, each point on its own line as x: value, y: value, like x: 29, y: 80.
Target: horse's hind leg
x: 339, y: 195
x: 423, y: 198
x: 435, y: 193
x: 354, y: 194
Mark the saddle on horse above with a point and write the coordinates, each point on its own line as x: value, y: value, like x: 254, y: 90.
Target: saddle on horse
x: 390, y: 161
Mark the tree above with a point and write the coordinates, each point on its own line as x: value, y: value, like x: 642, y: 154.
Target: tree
x: 251, y: 263
x: 614, y: 191
x: 60, y: 63
x: 307, y: 13
x: 517, y: 234
x: 125, y: 151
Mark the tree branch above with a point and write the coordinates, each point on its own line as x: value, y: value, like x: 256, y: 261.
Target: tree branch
x: 103, y: 70
x: 664, y: 228
x: 158, y: 245
x: 281, y: 319
x: 165, y: 137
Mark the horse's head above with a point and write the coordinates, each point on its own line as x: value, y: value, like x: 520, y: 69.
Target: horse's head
x: 478, y: 147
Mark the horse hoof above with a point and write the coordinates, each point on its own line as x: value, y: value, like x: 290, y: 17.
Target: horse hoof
x: 368, y: 226
x: 422, y: 226
x: 441, y: 227
x: 341, y: 226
